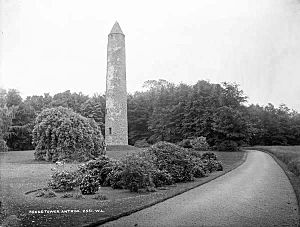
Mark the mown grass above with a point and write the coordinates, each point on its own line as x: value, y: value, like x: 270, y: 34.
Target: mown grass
x: 20, y: 173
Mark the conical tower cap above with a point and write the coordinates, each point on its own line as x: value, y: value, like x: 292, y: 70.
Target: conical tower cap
x: 116, y: 29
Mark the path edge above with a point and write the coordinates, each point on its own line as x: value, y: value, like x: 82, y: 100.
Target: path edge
x: 294, y: 180
x: 127, y: 213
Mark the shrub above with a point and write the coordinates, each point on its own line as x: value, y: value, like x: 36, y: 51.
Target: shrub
x: 209, y: 155
x: 89, y: 185
x: 199, y: 169
x: 137, y: 172
x: 199, y: 143
x: 59, y: 133
x: 115, y: 179
x: 78, y: 196
x: 213, y: 165
x: 94, y: 168
x: 67, y: 195
x: 100, y: 197
x: 106, y: 170
x: 186, y: 143
x: 161, y: 178
x: 174, y: 159
x: 211, y: 162
x: 227, y: 145
x: 45, y: 193
x: 141, y: 143
x: 3, y: 146
x: 62, y: 180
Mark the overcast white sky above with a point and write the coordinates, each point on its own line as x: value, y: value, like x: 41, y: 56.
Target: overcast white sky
x: 53, y: 46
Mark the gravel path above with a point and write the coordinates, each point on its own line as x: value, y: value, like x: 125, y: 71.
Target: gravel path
x: 258, y: 193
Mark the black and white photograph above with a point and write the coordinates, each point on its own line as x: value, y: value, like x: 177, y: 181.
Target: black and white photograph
x: 149, y: 113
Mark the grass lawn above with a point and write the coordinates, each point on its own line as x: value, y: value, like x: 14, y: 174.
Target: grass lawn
x: 288, y: 157
x: 20, y: 173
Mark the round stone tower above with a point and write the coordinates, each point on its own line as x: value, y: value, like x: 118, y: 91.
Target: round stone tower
x: 116, y: 126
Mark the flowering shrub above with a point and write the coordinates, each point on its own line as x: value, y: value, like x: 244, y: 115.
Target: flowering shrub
x: 106, y: 170
x: 210, y: 161
x: 88, y: 185
x: 45, y: 193
x: 62, y: 181
x: 137, y: 172
x: 161, y: 178
x: 186, y: 143
x: 199, y: 169
x: 199, y: 143
x: 209, y: 155
x: 94, y: 167
x: 100, y: 197
x: 174, y: 159
x: 115, y: 180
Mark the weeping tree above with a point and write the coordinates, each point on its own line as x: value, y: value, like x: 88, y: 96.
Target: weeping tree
x: 61, y: 134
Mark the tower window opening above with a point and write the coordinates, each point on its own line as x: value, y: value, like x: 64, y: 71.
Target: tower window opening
x: 109, y: 131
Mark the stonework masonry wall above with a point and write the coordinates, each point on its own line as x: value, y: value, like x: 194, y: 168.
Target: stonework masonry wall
x: 116, y: 125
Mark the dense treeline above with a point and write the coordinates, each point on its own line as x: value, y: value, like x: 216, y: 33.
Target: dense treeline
x: 163, y: 112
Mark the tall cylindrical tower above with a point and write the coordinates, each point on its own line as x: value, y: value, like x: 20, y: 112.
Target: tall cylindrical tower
x: 116, y: 126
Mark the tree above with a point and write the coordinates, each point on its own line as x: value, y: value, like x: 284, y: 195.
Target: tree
x: 2, y: 97
x: 95, y: 108
x: 20, y: 131
x: 60, y: 133
x: 139, y: 110
x: 69, y: 100
x: 230, y: 127
x: 13, y: 98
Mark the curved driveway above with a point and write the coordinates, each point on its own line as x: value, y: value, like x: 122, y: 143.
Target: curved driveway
x: 258, y: 193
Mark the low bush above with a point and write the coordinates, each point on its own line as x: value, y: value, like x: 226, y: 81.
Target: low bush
x: 195, y: 154
x: 78, y: 196
x: 186, y: 143
x: 211, y: 162
x: 137, y: 172
x: 62, y: 180
x: 89, y: 185
x: 199, y: 169
x: 94, y: 168
x: 100, y: 197
x: 199, y: 144
x: 45, y: 193
x: 106, y: 170
x: 174, y: 159
x: 213, y: 165
x: 161, y: 178
x: 67, y: 195
x: 209, y: 155
x: 114, y: 177
x: 161, y: 164
x: 116, y: 180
